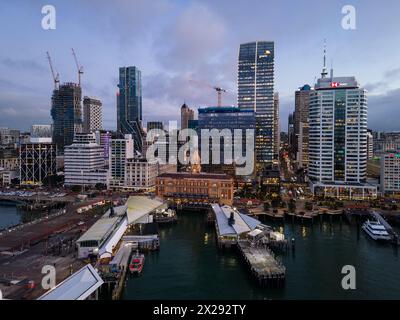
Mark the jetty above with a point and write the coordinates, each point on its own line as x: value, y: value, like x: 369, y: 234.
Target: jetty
x: 263, y: 266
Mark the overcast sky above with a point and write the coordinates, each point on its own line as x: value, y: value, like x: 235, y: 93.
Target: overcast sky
x: 174, y: 42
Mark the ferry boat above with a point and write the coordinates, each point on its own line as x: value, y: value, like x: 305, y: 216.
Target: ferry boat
x: 136, y: 264
x: 376, y: 230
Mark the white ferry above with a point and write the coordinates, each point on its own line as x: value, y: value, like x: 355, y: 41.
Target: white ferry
x: 376, y: 230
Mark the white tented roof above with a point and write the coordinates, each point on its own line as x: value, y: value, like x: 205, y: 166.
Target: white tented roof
x: 100, y: 230
x: 243, y: 223
x: 78, y: 286
x: 140, y: 206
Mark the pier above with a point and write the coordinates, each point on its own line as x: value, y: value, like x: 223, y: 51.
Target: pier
x: 263, y: 266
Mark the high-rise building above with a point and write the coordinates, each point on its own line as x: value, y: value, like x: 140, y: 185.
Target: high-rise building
x: 66, y: 111
x: 187, y: 114
x: 300, y: 143
x: 92, y: 114
x: 338, y: 138
x: 277, y: 134
x: 121, y: 150
x: 230, y: 118
x: 256, y: 93
x: 84, y: 162
x: 37, y: 162
x: 390, y: 172
x: 129, y: 104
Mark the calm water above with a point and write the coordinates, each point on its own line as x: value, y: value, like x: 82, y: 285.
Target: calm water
x: 189, y: 266
x: 9, y: 215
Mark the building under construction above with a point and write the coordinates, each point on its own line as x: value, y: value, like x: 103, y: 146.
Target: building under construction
x: 37, y: 163
x: 66, y: 108
x: 66, y: 111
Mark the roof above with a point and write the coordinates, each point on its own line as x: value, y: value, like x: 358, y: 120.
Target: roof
x: 118, y: 211
x: 189, y: 175
x: 243, y: 223
x: 100, y: 230
x: 78, y: 286
x: 255, y: 232
x: 227, y: 109
x: 139, y: 206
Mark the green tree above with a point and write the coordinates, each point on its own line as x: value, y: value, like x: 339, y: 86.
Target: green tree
x: 76, y: 188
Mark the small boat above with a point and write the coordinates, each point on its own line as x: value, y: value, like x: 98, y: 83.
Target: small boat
x: 376, y: 230
x: 137, y: 262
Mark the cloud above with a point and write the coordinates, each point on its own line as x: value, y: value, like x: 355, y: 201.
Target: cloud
x: 27, y: 65
x: 392, y: 73
x: 380, y: 106
x: 22, y: 112
x: 194, y: 38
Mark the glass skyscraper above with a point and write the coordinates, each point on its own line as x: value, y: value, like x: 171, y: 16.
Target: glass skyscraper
x: 221, y: 118
x: 129, y: 104
x: 256, y: 93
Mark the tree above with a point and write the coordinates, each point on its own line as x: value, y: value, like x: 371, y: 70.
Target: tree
x: 76, y: 188
x: 100, y: 186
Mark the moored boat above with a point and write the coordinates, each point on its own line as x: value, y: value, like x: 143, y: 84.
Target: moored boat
x: 376, y: 230
x: 137, y: 262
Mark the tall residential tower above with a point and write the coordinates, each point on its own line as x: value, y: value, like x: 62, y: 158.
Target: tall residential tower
x: 92, y: 114
x: 129, y: 104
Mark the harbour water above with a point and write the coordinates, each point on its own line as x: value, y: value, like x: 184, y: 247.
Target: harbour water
x: 9, y: 215
x: 189, y: 266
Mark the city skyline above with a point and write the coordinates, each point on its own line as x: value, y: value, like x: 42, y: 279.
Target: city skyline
x: 170, y: 54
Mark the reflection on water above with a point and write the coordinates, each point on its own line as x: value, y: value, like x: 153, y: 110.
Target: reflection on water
x: 189, y: 266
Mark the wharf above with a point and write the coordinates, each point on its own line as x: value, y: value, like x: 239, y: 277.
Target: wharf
x: 263, y: 266
x: 121, y: 261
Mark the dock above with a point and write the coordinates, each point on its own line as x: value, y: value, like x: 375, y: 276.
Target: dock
x: 121, y: 261
x: 263, y: 266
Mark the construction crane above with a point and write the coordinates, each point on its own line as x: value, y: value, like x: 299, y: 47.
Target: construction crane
x: 219, y: 91
x: 56, y: 76
x: 219, y: 94
x: 80, y: 68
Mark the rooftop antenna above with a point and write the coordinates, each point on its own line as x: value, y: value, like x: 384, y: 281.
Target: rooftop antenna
x: 331, y: 70
x: 324, y: 73
x: 56, y: 76
x: 80, y: 68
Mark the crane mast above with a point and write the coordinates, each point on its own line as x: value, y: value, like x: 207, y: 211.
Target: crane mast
x: 80, y: 68
x: 56, y: 76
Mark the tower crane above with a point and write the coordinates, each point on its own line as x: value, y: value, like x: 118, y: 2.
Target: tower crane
x: 56, y: 76
x: 79, y: 67
x: 218, y: 89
